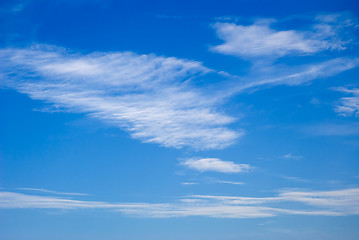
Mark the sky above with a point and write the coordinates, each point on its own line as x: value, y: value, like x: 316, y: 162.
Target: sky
x: 172, y: 120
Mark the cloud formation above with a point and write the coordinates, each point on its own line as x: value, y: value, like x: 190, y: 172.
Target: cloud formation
x: 260, y: 40
x: 264, y: 42
x: 321, y: 203
x: 52, y: 192
x: 349, y: 106
x: 157, y: 99
x: 215, y: 165
x: 291, y: 156
x: 149, y: 96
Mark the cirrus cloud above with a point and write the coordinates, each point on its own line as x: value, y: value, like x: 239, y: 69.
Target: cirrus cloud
x: 149, y: 96
x: 215, y: 165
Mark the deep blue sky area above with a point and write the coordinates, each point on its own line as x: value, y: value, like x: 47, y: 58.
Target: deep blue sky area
x: 172, y: 120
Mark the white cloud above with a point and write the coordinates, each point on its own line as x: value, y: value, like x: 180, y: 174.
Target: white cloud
x: 291, y: 156
x: 230, y: 182
x: 188, y: 183
x: 328, y: 203
x: 151, y: 97
x: 215, y: 165
x: 349, y: 106
x: 333, y: 129
x: 53, y: 192
x: 262, y: 45
x: 295, y: 179
x: 260, y: 40
x: 278, y: 74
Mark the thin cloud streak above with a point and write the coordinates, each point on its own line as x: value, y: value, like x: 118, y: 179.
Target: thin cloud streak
x: 293, y: 76
x: 321, y: 203
x: 52, y: 192
x: 291, y: 156
x: 230, y: 182
x: 215, y: 165
x: 333, y: 129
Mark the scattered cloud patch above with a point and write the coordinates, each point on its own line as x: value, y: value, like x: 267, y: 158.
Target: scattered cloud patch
x: 215, y: 165
x: 188, y: 183
x: 319, y: 203
x: 349, y: 106
x: 149, y: 96
x: 230, y: 182
x: 291, y: 156
x: 261, y: 40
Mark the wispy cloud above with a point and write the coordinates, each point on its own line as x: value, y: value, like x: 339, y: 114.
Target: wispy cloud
x: 52, y: 192
x: 291, y: 156
x: 151, y: 97
x: 333, y: 129
x: 349, y: 106
x: 157, y: 99
x: 295, y: 179
x: 260, y: 40
x: 262, y: 45
x: 284, y: 75
x: 328, y: 203
x: 215, y: 165
x: 188, y: 183
x: 230, y: 182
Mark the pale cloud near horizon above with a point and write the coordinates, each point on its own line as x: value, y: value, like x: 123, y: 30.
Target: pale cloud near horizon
x: 52, y: 192
x: 318, y: 203
x: 214, y: 165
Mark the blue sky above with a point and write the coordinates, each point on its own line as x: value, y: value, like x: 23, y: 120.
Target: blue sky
x: 179, y: 120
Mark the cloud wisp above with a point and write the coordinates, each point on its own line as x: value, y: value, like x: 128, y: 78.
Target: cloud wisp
x: 291, y: 156
x: 321, y: 203
x: 230, y: 182
x: 349, y: 106
x: 260, y: 40
x: 52, y: 192
x: 265, y: 47
x: 333, y: 129
x: 214, y: 165
x: 149, y: 96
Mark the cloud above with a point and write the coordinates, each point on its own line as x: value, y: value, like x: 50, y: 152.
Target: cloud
x: 188, y: 183
x: 349, y: 106
x: 260, y: 40
x: 230, y: 182
x: 263, y: 45
x: 291, y: 156
x: 333, y: 129
x: 165, y: 100
x: 151, y: 97
x: 284, y: 75
x: 52, y: 192
x: 295, y: 179
x: 327, y: 203
x: 215, y: 165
